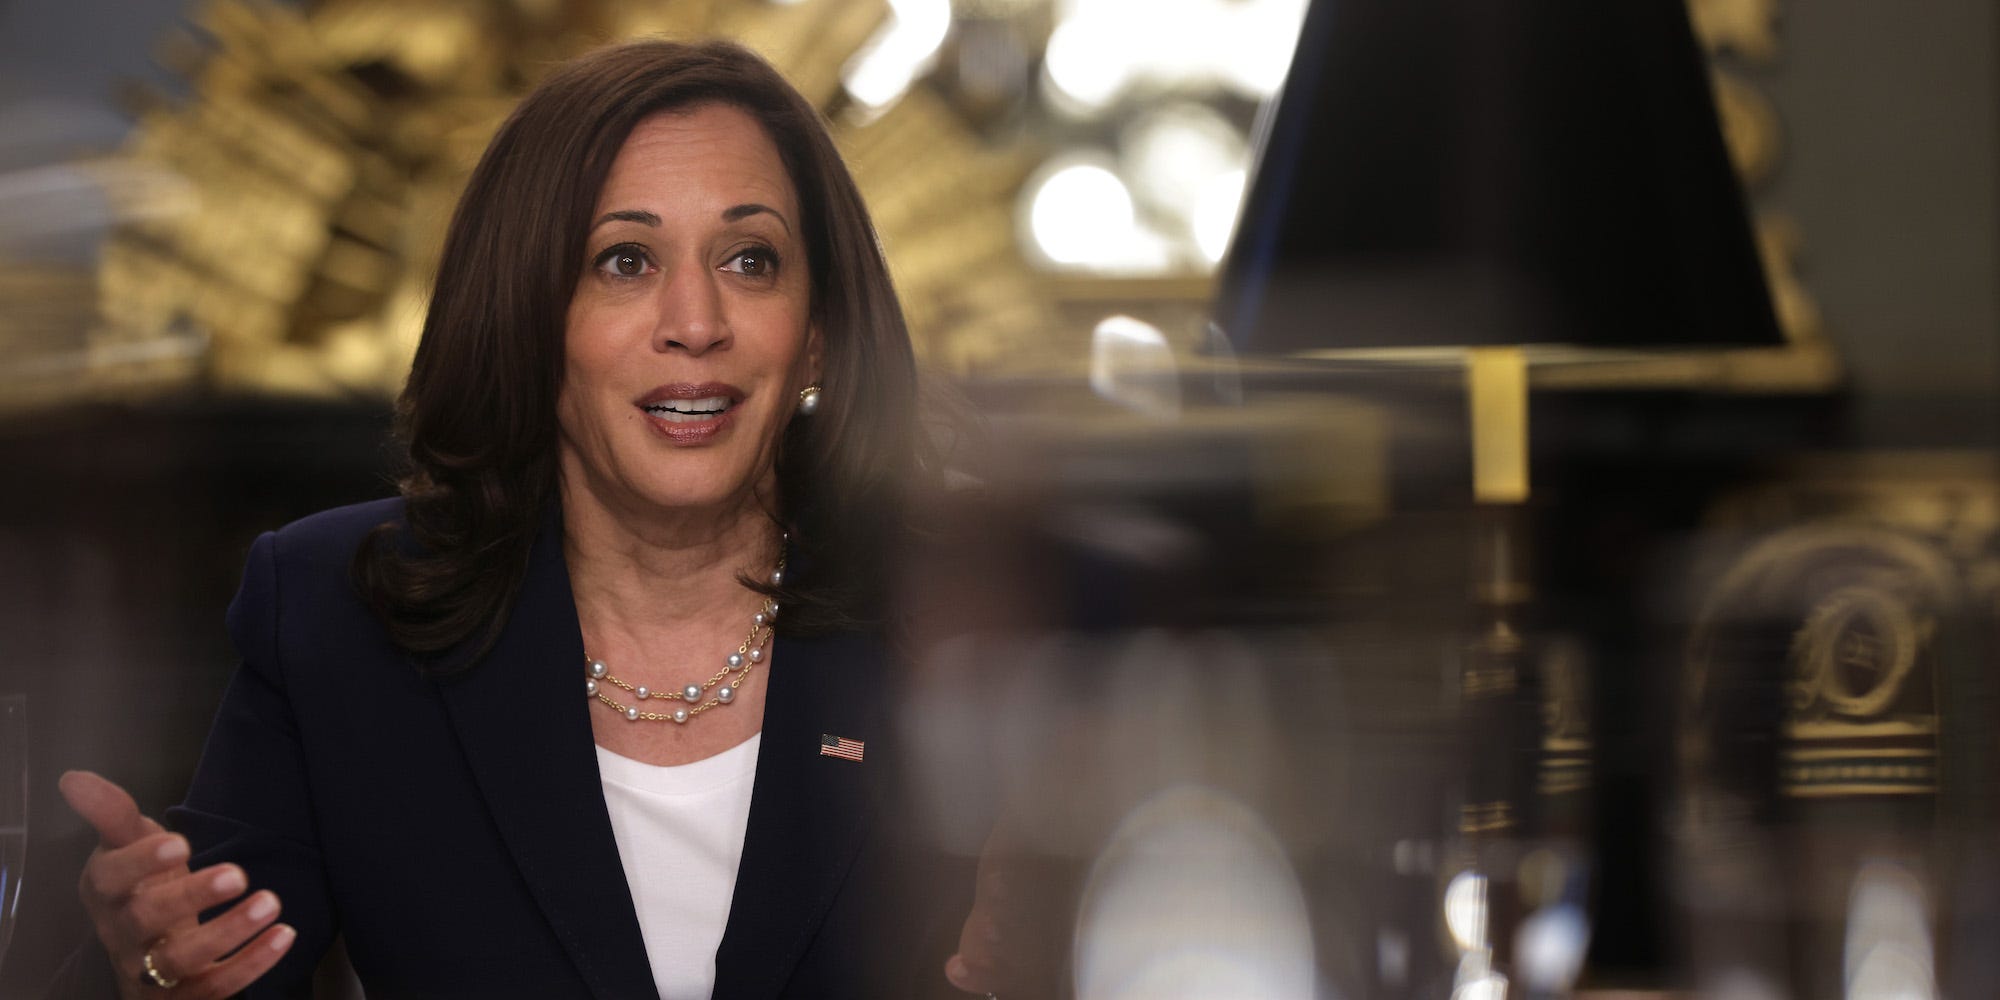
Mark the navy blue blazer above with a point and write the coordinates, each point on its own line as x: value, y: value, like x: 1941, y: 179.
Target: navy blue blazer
x: 454, y: 831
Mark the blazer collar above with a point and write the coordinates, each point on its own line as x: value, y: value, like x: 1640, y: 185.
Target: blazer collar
x: 808, y: 811
x: 524, y: 724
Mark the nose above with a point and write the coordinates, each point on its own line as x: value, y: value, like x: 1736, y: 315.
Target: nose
x: 691, y: 315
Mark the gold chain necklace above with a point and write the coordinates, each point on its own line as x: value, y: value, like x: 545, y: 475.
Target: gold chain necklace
x: 740, y: 663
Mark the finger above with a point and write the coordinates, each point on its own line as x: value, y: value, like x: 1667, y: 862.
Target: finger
x: 962, y: 977
x: 975, y: 968
x: 106, y: 807
x: 990, y: 888
x: 115, y: 874
x: 191, y: 951
x: 977, y: 961
x: 233, y: 975
x: 990, y: 882
x: 164, y: 906
x: 991, y: 855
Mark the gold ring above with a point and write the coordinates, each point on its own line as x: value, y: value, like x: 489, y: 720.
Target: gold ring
x: 153, y: 975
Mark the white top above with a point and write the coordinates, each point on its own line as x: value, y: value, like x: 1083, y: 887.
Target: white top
x: 680, y: 837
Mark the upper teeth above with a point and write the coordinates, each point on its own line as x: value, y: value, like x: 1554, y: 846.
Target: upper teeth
x: 713, y: 404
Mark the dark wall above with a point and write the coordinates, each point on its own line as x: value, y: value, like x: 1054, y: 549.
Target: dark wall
x: 122, y: 537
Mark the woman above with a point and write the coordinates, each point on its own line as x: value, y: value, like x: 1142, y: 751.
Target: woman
x: 664, y: 401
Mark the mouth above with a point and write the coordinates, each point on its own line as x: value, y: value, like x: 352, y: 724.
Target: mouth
x: 687, y: 411
x: 690, y: 414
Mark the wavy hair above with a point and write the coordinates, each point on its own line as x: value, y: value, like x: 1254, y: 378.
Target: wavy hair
x: 478, y: 414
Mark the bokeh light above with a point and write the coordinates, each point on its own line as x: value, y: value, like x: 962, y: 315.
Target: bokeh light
x: 1080, y: 213
x: 1193, y: 897
x: 884, y: 67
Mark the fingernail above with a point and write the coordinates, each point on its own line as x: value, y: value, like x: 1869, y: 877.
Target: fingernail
x: 173, y: 850
x: 263, y: 906
x: 282, y: 938
x: 230, y: 881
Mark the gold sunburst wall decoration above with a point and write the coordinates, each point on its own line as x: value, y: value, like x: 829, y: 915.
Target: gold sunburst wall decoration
x: 322, y: 148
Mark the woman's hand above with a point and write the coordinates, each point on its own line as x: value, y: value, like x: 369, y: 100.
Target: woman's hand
x: 977, y: 966
x: 145, y: 903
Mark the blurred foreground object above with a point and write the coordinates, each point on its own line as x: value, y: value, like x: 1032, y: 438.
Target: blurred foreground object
x: 13, y: 810
x: 1543, y: 196
x: 1837, y: 821
x: 1507, y: 247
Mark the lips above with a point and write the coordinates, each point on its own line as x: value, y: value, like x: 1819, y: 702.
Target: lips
x: 689, y: 413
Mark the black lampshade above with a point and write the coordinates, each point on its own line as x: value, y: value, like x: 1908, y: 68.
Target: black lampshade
x: 1445, y: 172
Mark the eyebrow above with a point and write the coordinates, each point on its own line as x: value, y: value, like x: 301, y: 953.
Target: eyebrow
x: 730, y: 214
x: 640, y: 216
x: 736, y: 212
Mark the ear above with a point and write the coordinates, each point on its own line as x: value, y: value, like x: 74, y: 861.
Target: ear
x: 815, y: 354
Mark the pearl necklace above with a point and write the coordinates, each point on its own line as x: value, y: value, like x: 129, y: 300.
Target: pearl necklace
x: 740, y: 663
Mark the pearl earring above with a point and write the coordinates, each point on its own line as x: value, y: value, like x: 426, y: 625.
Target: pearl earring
x: 808, y: 400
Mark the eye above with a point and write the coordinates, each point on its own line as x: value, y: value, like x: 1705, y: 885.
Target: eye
x: 626, y: 260
x: 754, y: 262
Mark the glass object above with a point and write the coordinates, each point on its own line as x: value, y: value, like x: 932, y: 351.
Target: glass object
x: 13, y: 809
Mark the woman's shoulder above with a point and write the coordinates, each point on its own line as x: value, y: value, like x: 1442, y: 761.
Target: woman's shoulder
x: 314, y: 555
x: 340, y: 528
x: 298, y: 589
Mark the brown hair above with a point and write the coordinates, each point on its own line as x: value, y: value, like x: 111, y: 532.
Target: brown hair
x: 478, y: 412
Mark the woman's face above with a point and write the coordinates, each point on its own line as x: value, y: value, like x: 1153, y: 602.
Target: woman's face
x: 689, y: 336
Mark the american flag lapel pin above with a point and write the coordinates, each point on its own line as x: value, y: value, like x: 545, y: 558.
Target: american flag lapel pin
x: 840, y: 746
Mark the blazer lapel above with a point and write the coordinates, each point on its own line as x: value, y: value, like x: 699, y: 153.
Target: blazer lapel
x: 808, y: 811
x: 523, y: 722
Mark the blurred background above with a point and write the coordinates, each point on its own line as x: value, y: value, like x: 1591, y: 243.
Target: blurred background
x: 1467, y: 503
